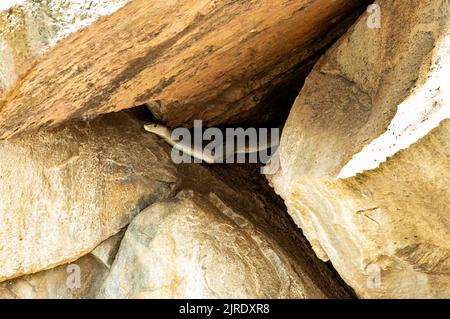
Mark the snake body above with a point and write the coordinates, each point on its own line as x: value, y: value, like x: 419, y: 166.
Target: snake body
x: 166, y: 134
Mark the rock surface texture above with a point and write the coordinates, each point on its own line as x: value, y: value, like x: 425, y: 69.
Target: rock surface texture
x: 216, y: 240
x: 170, y: 54
x: 64, y: 191
x: 365, y: 153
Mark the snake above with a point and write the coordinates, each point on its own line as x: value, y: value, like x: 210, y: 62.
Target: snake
x: 165, y: 133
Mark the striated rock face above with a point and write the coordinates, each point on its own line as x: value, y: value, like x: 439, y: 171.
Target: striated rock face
x: 169, y: 54
x: 64, y: 191
x: 212, y: 241
x: 187, y: 248
x: 365, y: 153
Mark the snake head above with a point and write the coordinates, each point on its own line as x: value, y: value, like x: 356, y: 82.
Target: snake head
x: 157, y: 129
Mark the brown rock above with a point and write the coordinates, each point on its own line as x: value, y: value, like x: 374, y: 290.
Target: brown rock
x: 210, y: 60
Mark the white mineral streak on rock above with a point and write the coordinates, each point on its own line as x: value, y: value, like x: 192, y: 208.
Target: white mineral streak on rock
x: 416, y: 116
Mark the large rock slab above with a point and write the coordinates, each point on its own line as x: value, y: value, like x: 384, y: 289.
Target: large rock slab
x: 365, y: 153
x: 222, y: 236
x: 169, y: 54
x: 65, y: 190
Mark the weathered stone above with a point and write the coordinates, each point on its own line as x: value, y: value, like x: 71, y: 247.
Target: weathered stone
x: 170, y: 54
x: 357, y: 174
x: 64, y: 191
x: 217, y: 239
x: 61, y: 282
